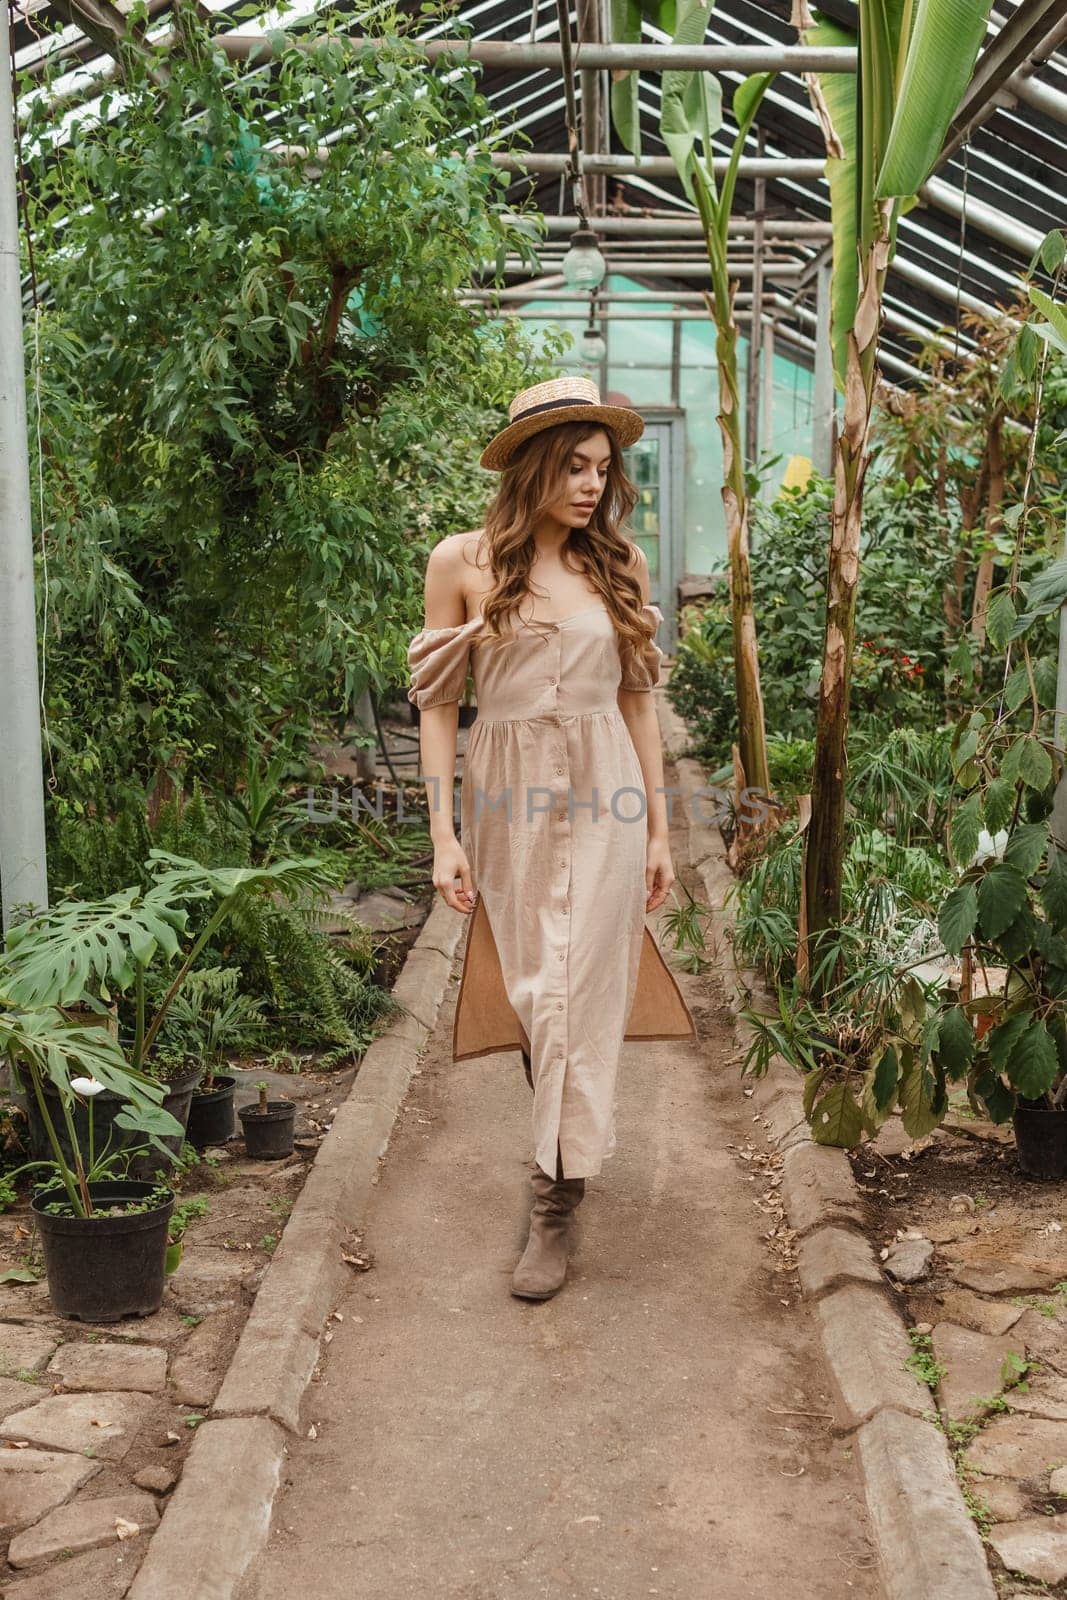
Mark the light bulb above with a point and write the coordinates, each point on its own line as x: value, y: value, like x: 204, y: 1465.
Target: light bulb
x: 583, y: 265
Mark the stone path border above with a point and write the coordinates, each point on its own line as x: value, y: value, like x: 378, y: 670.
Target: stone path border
x: 928, y: 1546
x: 218, y: 1516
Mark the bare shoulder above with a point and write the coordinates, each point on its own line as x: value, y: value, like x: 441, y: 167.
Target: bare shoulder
x: 451, y: 577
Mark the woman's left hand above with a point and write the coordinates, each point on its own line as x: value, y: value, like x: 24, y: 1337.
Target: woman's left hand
x: 659, y: 873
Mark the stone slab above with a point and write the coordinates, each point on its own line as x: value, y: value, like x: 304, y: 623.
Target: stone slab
x: 1036, y: 1547
x: 107, y: 1423
x: 1002, y: 1497
x: 218, y: 1518
x: 110, y: 1365
x: 866, y: 1347
x: 818, y: 1187
x: 1045, y: 1395
x: 1019, y: 1447
x: 830, y: 1256
x: 970, y: 1310
x: 974, y: 1363
x: 24, y: 1348
x: 15, y: 1394
x: 199, y: 1365
x: 103, y: 1574
x: 929, y: 1547
x: 990, y: 1277
x: 83, y: 1525
x: 1045, y: 1339
x: 34, y: 1482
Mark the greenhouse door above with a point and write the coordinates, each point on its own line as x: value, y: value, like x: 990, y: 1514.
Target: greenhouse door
x: 652, y: 464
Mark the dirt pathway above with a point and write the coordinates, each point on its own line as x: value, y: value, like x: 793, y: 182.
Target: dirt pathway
x: 633, y: 1436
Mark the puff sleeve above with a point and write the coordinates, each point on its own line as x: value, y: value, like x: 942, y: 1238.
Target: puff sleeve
x: 438, y: 660
x: 641, y: 669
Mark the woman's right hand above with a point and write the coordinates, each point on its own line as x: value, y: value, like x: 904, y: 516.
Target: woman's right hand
x: 450, y: 863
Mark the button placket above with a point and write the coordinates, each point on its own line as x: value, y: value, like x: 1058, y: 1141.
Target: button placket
x: 560, y: 842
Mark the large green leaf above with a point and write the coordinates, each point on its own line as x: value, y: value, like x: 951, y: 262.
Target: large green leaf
x: 691, y: 102
x: 839, y: 93
x: 625, y: 20
x: 919, y: 1100
x: 940, y: 59
x: 1001, y: 896
x: 1033, y: 1064
x: 60, y: 955
x: 958, y: 917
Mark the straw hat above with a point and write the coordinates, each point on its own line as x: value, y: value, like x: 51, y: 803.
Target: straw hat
x: 558, y: 400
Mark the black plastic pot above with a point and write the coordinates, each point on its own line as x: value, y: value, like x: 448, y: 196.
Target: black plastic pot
x: 211, y: 1115
x: 104, y: 1268
x: 269, y: 1134
x: 177, y: 1099
x: 1041, y: 1140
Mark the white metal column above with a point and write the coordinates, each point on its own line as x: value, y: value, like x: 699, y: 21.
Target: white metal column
x: 23, y: 870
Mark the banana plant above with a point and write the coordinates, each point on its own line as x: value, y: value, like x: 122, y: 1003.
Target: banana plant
x: 690, y: 116
x: 884, y: 129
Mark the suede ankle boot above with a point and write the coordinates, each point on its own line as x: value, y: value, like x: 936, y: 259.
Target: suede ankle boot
x: 543, y: 1265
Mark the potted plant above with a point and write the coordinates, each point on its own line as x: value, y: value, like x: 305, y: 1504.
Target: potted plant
x: 77, y: 952
x: 207, y: 1020
x: 268, y: 1126
x: 104, y: 1238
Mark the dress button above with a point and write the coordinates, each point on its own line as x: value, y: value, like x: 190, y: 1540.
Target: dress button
x: 559, y: 772
x: 559, y: 1005
x: 561, y: 956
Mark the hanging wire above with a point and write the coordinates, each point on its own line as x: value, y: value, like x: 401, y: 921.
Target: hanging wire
x: 574, y: 158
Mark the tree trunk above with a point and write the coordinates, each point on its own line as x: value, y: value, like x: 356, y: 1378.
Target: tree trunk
x: 825, y: 836
x: 752, y: 735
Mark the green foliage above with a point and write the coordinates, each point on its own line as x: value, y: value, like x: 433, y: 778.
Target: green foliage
x: 253, y: 374
x: 901, y: 651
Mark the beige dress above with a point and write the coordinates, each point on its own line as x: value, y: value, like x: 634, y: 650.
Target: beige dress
x: 552, y: 818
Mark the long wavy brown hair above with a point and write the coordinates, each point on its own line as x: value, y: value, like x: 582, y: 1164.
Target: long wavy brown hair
x: 532, y: 481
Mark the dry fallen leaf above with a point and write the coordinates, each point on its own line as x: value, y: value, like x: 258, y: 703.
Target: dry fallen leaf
x: 126, y: 1530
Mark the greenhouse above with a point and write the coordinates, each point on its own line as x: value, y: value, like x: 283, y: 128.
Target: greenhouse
x: 533, y: 799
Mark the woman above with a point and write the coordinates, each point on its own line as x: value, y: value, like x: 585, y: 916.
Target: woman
x: 564, y: 821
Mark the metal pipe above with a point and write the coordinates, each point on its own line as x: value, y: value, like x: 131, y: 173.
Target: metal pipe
x: 508, y: 54
x: 660, y: 268
x: 639, y: 227
x: 1016, y: 235
x: 23, y: 863
x: 659, y: 166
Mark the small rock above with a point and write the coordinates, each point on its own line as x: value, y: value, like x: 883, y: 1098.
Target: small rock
x: 924, y: 1327
x: 1037, y: 1547
x: 974, y: 1361
x: 908, y: 1260
x: 84, y: 1525
x: 1057, y: 1483
x: 33, y: 1482
x: 158, y: 1479
x: 1019, y: 1447
x: 24, y: 1348
x: 107, y: 1422
x: 110, y: 1366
